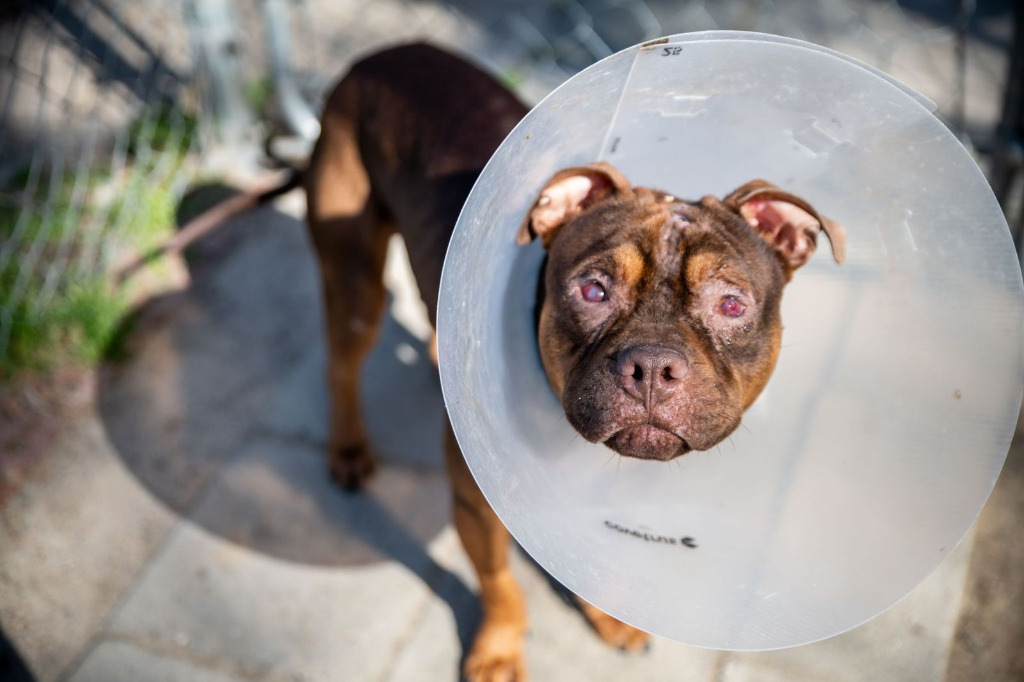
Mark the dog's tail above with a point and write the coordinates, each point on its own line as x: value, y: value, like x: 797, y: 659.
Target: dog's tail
x: 210, y: 220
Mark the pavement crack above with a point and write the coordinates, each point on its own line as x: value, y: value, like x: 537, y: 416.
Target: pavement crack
x: 185, y: 653
x: 403, y: 639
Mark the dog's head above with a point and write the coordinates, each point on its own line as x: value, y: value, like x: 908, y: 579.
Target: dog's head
x: 659, y: 318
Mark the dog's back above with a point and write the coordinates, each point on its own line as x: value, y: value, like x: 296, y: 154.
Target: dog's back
x: 405, y: 134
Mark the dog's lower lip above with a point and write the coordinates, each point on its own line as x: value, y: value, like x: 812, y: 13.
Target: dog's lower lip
x: 647, y: 441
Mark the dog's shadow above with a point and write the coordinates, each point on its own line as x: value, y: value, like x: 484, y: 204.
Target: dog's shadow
x: 215, y: 399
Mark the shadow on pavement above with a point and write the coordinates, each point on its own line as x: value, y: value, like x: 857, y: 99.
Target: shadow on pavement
x: 12, y: 667
x: 219, y: 409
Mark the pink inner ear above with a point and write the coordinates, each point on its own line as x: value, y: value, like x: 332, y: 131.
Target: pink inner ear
x: 559, y: 202
x: 790, y: 229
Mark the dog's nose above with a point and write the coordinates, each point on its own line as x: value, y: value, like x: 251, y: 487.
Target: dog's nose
x: 650, y: 373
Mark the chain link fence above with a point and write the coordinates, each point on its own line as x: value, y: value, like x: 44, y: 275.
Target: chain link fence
x: 96, y: 143
x: 108, y: 108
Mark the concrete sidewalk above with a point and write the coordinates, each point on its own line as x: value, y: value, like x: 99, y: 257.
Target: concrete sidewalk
x: 185, y: 529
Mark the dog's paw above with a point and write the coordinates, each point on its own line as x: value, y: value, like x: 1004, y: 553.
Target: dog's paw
x: 614, y: 632
x: 496, y: 656
x: 352, y: 466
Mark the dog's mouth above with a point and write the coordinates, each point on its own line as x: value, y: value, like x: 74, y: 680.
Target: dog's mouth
x: 646, y: 441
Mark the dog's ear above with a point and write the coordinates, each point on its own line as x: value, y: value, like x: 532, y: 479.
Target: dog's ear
x: 570, y: 192
x: 786, y: 221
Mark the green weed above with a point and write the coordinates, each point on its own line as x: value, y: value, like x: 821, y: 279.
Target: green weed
x: 49, y: 215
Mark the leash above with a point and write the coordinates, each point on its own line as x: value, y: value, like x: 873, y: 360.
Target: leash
x: 208, y: 221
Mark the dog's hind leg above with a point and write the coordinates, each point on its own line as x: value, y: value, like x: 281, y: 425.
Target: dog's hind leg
x: 613, y: 631
x: 350, y: 231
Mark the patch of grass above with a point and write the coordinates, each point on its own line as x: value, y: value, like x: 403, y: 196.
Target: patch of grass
x: 143, y: 213
x: 29, y: 345
x: 512, y: 78
x: 162, y: 128
x: 44, y: 211
x: 116, y: 348
x: 89, y: 316
x: 78, y: 325
x: 258, y: 93
x: 82, y: 319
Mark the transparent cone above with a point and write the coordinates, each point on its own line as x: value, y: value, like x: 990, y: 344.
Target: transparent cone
x: 887, y: 420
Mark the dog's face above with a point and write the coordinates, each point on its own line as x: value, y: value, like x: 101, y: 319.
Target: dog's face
x: 659, y: 320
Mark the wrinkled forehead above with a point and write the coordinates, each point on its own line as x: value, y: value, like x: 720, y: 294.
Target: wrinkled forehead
x: 663, y: 238
x: 720, y: 243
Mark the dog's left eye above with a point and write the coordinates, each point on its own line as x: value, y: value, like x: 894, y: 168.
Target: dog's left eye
x: 593, y: 292
x: 730, y: 306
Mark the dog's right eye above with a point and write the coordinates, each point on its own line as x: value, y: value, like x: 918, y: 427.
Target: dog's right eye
x: 593, y: 292
x: 730, y: 306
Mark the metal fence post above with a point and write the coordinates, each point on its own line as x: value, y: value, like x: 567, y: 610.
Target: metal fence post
x: 297, y: 113
x: 218, y: 49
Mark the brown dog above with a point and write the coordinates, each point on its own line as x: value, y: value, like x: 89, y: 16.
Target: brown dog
x: 659, y: 320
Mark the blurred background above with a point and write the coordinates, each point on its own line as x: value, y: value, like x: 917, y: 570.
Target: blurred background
x: 164, y: 509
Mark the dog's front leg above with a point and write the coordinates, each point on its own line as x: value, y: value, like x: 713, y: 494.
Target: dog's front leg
x: 497, y: 652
